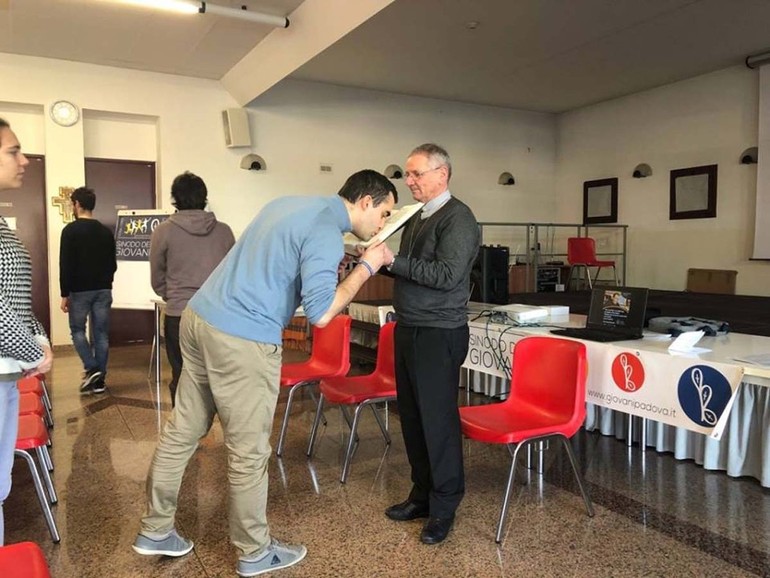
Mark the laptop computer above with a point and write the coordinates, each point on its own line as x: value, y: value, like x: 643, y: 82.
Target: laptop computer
x: 616, y: 314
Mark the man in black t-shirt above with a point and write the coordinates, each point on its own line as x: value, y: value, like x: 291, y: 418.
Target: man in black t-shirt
x: 86, y: 268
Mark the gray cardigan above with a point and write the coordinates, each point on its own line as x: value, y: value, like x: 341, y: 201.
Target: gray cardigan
x: 184, y: 250
x: 433, y: 267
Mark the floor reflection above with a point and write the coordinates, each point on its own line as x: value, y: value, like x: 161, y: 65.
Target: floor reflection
x: 654, y: 516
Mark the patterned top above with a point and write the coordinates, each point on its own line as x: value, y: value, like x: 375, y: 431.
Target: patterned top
x: 21, y: 334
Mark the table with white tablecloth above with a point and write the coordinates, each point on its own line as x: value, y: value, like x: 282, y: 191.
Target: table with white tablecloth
x: 744, y: 446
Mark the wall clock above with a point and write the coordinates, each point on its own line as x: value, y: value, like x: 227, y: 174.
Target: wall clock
x: 64, y: 113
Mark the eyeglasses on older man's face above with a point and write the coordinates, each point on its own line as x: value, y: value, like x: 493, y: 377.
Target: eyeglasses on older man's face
x: 417, y: 175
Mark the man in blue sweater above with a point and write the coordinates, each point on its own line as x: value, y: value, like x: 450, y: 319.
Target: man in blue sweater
x: 231, y: 345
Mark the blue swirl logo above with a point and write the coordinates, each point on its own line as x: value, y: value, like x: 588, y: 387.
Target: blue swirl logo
x: 703, y: 394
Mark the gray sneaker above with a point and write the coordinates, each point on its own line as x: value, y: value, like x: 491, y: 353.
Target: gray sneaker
x: 171, y: 545
x: 274, y: 557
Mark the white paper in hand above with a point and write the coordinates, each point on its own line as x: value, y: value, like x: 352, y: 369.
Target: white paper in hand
x: 397, y: 219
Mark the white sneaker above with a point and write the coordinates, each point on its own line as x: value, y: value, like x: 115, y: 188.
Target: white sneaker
x: 170, y: 545
x: 274, y: 557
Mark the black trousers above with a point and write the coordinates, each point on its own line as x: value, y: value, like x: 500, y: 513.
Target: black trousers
x: 173, y: 352
x: 428, y: 361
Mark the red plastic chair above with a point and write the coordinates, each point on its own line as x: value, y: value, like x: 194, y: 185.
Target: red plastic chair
x: 581, y: 252
x: 23, y: 560
x: 34, y: 435
x: 37, y: 386
x: 360, y: 391
x: 329, y: 357
x: 547, y: 400
x: 32, y: 403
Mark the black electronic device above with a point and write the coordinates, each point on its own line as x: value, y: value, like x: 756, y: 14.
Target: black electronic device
x: 616, y: 314
x: 489, y: 277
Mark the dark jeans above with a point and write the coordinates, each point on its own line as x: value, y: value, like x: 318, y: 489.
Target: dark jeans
x: 174, y: 352
x: 428, y: 361
x: 96, y: 305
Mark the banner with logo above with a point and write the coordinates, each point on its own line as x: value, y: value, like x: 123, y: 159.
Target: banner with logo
x: 131, y: 288
x: 133, y: 231
x: 681, y: 391
x: 490, y: 346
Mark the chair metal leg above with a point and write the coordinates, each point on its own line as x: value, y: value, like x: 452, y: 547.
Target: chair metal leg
x: 346, y: 414
x: 316, y: 422
x: 47, y: 406
x: 578, y: 477
x: 569, y: 278
x: 47, y: 458
x: 541, y: 447
x: 46, y: 475
x: 507, y: 495
x: 383, y: 427
x: 285, y: 425
x: 41, y: 495
x: 315, y: 401
x: 46, y: 397
x: 351, y: 443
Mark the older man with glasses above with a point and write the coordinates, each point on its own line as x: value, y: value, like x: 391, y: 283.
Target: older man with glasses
x: 432, y: 286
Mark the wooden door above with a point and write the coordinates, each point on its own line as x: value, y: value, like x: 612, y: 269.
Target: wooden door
x: 27, y: 206
x: 120, y: 184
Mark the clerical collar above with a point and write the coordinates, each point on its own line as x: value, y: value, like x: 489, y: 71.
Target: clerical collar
x: 435, y: 204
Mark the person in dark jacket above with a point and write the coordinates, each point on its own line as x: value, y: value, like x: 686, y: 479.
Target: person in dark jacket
x: 430, y: 295
x: 184, y: 250
x: 87, y: 266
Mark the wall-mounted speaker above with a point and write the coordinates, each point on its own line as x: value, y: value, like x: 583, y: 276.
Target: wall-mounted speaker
x: 236, y: 124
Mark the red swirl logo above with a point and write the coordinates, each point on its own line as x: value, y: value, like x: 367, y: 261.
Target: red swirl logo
x: 628, y: 372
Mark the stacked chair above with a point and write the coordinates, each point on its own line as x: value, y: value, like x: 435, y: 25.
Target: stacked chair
x: 34, y: 419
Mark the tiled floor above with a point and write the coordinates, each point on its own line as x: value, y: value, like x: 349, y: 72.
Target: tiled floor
x: 654, y: 516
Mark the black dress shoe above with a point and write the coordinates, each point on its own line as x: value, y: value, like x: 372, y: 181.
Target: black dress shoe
x: 436, y: 530
x: 407, y: 510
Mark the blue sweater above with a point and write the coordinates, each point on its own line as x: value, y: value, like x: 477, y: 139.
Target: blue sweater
x: 288, y: 255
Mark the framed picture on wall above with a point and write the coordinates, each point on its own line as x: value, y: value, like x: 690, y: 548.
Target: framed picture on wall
x: 600, y: 201
x: 693, y: 193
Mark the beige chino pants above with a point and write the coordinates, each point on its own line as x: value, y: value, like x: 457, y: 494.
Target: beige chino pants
x: 239, y: 380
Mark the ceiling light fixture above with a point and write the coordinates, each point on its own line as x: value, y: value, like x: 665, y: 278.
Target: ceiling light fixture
x: 757, y: 60
x: 199, y: 7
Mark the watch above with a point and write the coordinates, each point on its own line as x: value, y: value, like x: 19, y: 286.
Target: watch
x: 64, y: 113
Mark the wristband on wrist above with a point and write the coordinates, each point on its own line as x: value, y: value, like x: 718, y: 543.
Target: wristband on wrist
x: 367, y: 266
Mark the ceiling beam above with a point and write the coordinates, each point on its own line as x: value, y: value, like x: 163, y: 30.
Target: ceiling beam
x: 315, y: 25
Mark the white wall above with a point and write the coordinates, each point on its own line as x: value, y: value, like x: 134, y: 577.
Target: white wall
x: 295, y: 127
x: 706, y: 120
x: 188, y: 133
x: 299, y: 125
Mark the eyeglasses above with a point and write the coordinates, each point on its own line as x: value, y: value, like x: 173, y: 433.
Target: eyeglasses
x: 416, y: 175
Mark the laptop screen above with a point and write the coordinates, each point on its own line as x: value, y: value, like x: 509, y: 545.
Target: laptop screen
x: 617, y: 308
